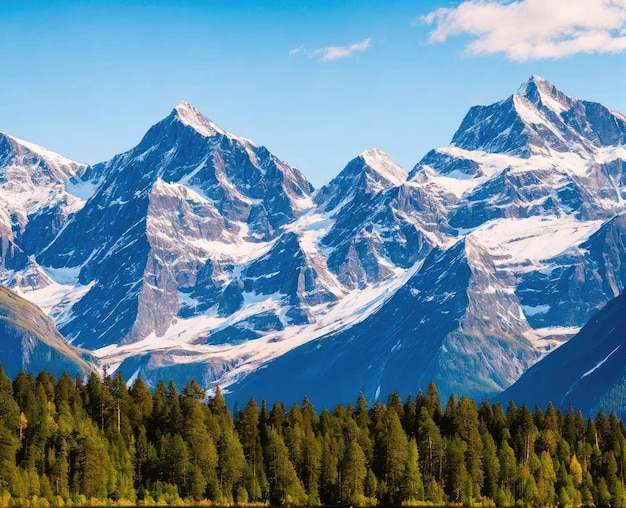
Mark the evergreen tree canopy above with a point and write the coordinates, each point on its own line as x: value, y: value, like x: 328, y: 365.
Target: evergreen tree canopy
x: 68, y: 442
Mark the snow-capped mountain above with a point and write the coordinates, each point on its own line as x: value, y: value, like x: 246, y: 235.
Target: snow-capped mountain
x: 198, y: 253
x: 536, y: 231
x: 377, y: 227
x: 38, y: 194
x: 190, y: 198
x: 539, y: 119
x: 370, y: 173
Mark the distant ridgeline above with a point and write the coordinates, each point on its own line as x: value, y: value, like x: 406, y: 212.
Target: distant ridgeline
x: 65, y: 443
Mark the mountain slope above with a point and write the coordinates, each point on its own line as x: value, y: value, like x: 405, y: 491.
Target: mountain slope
x: 587, y: 373
x: 31, y: 342
x: 432, y: 328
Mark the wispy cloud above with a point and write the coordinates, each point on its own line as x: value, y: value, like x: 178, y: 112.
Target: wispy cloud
x: 534, y: 29
x: 337, y: 52
x: 330, y: 53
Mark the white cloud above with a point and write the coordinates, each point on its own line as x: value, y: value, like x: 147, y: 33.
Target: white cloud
x: 534, y: 29
x: 337, y: 52
x: 330, y: 53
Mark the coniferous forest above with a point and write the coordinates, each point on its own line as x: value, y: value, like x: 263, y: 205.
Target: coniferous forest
x: 69, y: 443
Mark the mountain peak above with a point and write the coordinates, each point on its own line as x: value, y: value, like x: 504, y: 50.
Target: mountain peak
x: 537, y: 119
x: 191, y: 116
x: 543, y: 94
x: 185, y: 108
x: 370, y: 172
x: 535, y: 84
x: 37, y: 156
x: 373, y: 152
x: 382, y: 165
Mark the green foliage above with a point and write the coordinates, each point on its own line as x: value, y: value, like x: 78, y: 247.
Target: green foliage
x: 285, y: 487
x: 65, y: 443
x: 353, y: 472
x: 412, y: 486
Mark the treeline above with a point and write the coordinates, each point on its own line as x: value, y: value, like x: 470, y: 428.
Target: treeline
x: 64, y: 442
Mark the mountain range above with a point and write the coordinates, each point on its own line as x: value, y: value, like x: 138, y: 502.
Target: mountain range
x: 199, y: 254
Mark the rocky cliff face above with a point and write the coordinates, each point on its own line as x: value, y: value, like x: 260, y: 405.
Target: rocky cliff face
x: 378, y: 224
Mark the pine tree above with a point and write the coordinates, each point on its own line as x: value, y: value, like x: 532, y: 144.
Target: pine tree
x: 353, y: 473
x: 576, y: 471
x: 285, y: 487
x: 466, y: 424
x: 157, y: 423
x: 247, y: 425
x: 176, y: 462
x: 121, y: 401
x: 433, y: 403
x: 545, y: 479
x: 603, y: 495
x: 231, y: 464
x: 394, y: 403
x: 329, y: 470
x: 201, y: 448
x: 141, y: 408
x: 9, y: 445
x: 9, y: 442
x: 508, y: 467
x: 361, y: 416
x: 278, y: 417
x: 409, y: 421
x: 93, y: 458
x: 193, y: 391
x: 122, y: 457
x: 431, y: 448
x: 392, y: 450
x: 457, y: 478
x: 412, y: 485
x: 491, y: 466
x: 59, y: 467
x: 65, y: 390
x: 173, y: 412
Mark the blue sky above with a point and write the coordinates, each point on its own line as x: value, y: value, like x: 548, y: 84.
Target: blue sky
x: 316, y: 82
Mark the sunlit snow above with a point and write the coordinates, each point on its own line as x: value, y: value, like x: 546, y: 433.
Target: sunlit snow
x: 600, y: 363
x: 524, y: 243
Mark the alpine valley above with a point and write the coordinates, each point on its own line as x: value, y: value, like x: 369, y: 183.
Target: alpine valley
x: 200, y: 254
